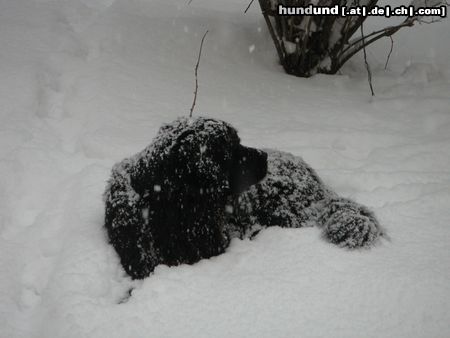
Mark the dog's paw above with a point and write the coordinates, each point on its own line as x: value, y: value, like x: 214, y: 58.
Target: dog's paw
x: 350, y: 225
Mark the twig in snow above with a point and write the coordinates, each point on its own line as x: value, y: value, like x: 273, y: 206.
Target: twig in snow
x: 248, y: 7
x: 196, y: 74
x: 369, y: 73
x: 390, y: 52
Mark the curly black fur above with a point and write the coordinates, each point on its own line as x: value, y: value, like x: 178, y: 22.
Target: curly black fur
x: 167, y: 204
x: 292, y: 195
x: 183, y: 198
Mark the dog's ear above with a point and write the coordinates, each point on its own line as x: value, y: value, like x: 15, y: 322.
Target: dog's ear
x: 249, y: 167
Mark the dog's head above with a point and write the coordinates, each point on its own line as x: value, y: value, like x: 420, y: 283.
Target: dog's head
x: 205, y: 156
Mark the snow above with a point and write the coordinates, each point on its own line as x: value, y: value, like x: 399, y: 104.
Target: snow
x: 84, y: 84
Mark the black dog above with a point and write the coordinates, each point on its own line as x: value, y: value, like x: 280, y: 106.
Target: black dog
x: 166, y: 205
x: 182, y: 198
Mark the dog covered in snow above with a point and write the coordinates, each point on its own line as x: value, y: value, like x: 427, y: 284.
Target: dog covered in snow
x: 167, y: 204
x: 195, y: 187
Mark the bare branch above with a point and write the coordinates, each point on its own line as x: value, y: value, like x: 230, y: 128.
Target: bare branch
x: 356, y: 45
x: 279, y: 47
x: 248, y: 7
x: 369, y: 72
x: 390, y: 52
x: 361, y: 43
x: 196, y: 74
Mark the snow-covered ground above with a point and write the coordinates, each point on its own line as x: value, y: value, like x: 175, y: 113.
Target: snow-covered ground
x: 84, y: 83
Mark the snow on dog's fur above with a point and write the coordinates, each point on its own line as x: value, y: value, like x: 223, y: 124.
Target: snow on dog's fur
x: 195, y: 187
x: 167, y: 204
x: 292, y: 195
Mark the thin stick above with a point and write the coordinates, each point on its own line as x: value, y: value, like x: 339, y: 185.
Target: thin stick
x: 390, y: 52
x: 369, y: 73
x: 279, y: 47
x: 248, y: 7
x: 196, y: 74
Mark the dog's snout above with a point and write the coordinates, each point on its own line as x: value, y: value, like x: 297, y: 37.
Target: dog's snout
x: 250, y: 166
x: 257, y: 163
x: 263, y: 164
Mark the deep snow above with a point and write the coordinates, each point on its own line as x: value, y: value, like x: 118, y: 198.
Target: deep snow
x: 84, y: 84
